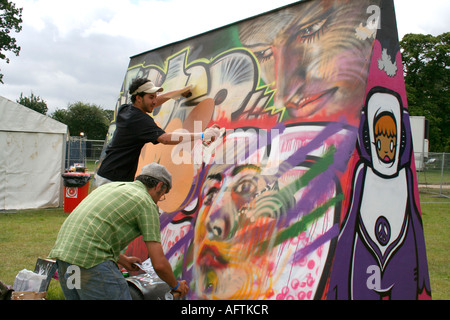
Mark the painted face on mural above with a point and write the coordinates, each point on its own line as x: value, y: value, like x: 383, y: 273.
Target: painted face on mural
x: 384, y: 124
x: 238, y: 217
x: 386, y: 138
x: 315, y: 61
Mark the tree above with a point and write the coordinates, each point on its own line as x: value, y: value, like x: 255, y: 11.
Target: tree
x: 110, y: 115
x: 10, y: 19
x: 60, y: 115
x: 87, y: 118
x: 33, y: 102
x: 426, y: 65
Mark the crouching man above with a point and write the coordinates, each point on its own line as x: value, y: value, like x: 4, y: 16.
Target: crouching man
x: 103, y: 224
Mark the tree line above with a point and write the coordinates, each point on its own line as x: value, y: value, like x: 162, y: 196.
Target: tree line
x: 426, y: 66
x: 89, y: 119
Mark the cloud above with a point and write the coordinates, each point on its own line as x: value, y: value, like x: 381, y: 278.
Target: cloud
x: 67, y: 69
x: 63, y: 64
x: 417, y: 16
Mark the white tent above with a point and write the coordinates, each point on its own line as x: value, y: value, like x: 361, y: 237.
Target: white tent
x: 32, y: 152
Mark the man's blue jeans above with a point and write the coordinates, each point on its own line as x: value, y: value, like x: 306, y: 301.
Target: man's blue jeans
x: 102, y: 282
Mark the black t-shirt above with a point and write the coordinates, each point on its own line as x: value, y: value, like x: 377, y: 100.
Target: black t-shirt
x: 134, y: 129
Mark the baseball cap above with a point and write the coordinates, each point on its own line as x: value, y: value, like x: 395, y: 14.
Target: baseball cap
x: 158, y: 172
x: 148, y: 87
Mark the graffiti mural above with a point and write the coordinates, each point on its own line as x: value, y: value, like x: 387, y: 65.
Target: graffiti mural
x: 311, y: 192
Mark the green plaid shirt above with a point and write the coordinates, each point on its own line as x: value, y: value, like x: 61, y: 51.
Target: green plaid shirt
x: 105, y: 222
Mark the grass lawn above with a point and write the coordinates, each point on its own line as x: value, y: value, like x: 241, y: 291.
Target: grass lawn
x: 25, y: 236
x: 28, y: 234
x: 436, y: 222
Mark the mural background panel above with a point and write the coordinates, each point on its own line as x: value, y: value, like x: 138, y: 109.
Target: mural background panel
x: 275, y: 208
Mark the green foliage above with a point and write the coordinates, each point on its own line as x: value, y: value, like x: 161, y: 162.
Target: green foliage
x: 10, y: 19
x: 426, y: 63
x: 90, y: 119
x: 33, y: 102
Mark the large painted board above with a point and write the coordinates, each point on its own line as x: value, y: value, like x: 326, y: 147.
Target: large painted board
x: 311, y: 192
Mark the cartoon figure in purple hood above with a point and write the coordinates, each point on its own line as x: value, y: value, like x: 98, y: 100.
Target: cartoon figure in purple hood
x: 381, y: 249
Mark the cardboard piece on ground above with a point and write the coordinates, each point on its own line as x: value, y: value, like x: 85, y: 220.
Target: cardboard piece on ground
x: 28, y: 295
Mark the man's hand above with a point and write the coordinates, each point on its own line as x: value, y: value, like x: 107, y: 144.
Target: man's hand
x: 187, y: 93
x: 211, y: 134
x: 129, y: 262
x: 182, y: 289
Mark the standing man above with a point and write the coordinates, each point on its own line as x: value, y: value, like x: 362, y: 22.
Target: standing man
x: 135, y: 128
x: 91, y: 239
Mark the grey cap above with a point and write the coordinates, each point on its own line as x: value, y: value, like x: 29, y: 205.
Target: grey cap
x: 158, y: 172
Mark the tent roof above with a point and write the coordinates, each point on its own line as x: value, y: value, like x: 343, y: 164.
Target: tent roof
x: 16, y: 117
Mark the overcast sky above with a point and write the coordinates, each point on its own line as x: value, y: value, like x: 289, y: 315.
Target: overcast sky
x: 79, y: 50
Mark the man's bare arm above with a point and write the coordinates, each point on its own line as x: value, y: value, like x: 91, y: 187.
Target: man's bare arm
x: 163, y: 268
x: 163, y: 97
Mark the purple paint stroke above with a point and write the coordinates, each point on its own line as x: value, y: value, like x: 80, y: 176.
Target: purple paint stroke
x: 309, y: 200
x: 321, y: 184
x: 300, y: 155
x: 327, y: 236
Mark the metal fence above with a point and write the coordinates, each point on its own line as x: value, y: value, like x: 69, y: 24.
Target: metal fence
x: 94, y: 149
x: 83, y: 152
x: 433, y: 172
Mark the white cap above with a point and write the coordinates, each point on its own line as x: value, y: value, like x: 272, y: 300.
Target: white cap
x: 147, y: 87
